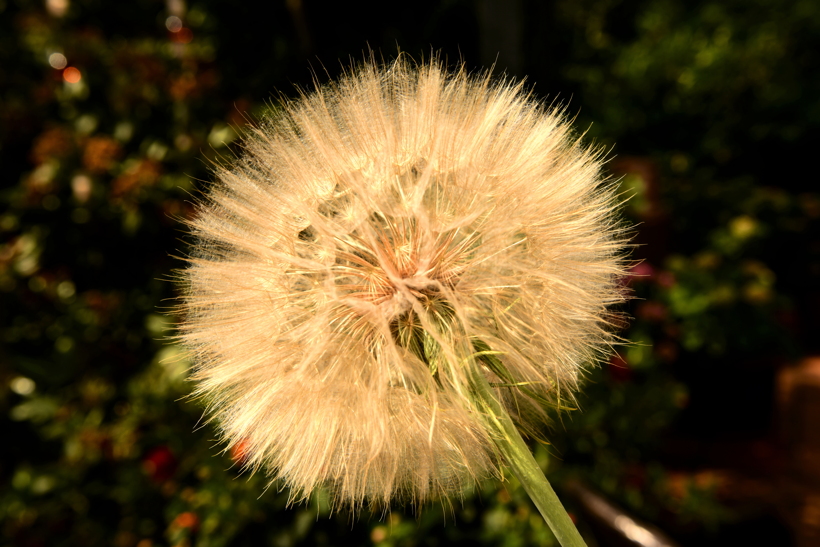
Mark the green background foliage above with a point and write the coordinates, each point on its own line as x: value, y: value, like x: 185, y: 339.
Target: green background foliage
x: 706, y: 106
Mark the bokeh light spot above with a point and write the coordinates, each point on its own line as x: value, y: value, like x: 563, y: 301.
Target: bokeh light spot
x: 57, y: 8
x: 64, y: 344
x: 66, y: 289
x: 81, y: 188
x: 22, y: 385
x: 72, y: 75
x: 57, y: 60
x: 173, y: 23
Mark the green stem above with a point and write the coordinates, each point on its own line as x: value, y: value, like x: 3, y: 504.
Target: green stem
x: 518, y: 456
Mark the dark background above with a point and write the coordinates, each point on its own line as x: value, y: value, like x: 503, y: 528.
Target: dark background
x: 705, y: 425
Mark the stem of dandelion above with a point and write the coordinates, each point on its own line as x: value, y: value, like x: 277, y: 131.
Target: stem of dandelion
x: 518, y: 456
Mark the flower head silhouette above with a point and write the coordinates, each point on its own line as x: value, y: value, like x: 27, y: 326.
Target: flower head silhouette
x: 381, y: 242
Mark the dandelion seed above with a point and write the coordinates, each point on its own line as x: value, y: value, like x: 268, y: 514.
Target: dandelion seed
x: 386, y: 246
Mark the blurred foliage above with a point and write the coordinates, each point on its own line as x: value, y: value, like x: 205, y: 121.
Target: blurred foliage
x: 111, y: 114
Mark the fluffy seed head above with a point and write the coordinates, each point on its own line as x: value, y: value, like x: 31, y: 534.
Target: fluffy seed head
x: 380, y: 238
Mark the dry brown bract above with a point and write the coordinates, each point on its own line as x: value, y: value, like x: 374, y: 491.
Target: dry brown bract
x: 380, y: 238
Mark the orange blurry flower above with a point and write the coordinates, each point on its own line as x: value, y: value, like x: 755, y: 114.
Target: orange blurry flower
x: 52, y: 143
x: 72, y: 75
x: 186, y: 520
x: 182, y: 86
x: 239, y: 452
x: 143, y: 173
x: 100, y: 154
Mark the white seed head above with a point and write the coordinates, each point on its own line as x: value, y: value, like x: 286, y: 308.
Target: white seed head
x: 378, y: 238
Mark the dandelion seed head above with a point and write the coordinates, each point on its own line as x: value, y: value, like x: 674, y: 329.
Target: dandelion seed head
x: 380, y: 237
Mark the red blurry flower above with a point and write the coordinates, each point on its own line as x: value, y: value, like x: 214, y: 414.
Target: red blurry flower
x: 641, y: 272
x: 182, y: 36
x: 619, y: 370
x: 667, y: 350
x: 160, y: 463
x: 651, y: 311
x: 667, y: 280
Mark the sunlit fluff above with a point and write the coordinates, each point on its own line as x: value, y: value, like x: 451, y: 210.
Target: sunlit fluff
x: 379, y: 239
